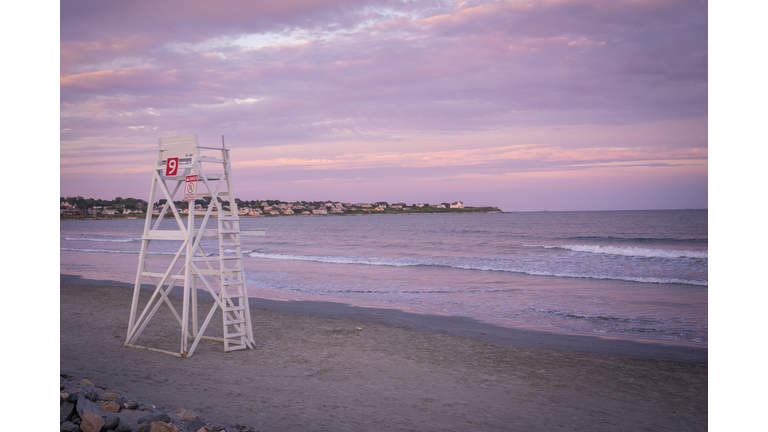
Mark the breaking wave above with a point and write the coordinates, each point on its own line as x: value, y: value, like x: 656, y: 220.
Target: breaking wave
x: 114, y: 240
x: 641, y: 239
x: 630, y: 251
x: 98, y: 250
x: 592, y: 317
x: 412, y: 262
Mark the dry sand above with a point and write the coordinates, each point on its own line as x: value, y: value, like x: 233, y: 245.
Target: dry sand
x: 318, y: 373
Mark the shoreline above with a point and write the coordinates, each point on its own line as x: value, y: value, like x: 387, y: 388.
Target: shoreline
x: 114, y: 217
x: 456, y: 325
x: 111, y: 217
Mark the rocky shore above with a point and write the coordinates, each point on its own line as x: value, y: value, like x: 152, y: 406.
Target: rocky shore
x: 86, y: 407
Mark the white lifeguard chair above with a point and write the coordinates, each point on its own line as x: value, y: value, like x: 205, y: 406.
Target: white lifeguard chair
x: 180, y: 161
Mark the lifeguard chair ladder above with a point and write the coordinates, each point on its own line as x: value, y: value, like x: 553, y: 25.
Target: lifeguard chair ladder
x: 221, y: 273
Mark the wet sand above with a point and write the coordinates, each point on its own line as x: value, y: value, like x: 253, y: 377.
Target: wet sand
x: 312, y: 370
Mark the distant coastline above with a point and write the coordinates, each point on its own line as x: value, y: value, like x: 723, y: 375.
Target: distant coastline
x: 477, y: 210
x: 132, y: 208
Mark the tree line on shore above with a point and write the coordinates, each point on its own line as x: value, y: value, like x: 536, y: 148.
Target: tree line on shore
x: 79, y: 206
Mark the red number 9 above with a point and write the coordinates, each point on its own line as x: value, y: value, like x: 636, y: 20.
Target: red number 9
x: 171, y: 166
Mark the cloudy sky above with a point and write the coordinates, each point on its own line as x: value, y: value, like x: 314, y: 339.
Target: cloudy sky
x: 525, y: 105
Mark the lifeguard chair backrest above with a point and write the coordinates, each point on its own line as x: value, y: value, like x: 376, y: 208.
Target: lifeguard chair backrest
x: 179, y: 146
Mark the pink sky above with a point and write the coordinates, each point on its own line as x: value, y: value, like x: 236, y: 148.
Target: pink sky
x: 525, y: 105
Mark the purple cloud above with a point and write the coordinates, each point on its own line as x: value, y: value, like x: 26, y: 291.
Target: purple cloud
x: 378, y: 72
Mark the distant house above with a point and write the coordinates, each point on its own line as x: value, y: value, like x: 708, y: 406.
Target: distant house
x: 71, y: 211
x: 457, y: 204
x: 337, y: 208
x: 319, y: 211
x: 68, y: 209
x: 380, y: 208
x: 440, y: 206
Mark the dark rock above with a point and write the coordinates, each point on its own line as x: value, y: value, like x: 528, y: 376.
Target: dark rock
x: 110, y: 422
x: 84, y: 396
x: 155, y: 417
x: 194, y: 425
x: 84, y: 404
x: 67, y: 409
x: 68, y: 426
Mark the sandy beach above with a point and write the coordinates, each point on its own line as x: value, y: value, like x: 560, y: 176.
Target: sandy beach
x: 313, y: 371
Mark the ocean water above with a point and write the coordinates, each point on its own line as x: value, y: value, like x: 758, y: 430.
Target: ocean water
x: 625, y: 274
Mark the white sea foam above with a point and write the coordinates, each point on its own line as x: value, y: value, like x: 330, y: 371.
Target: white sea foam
x: 231, y: 251
x: 136, y: 252
x: 337, y: 259
x: 98, y: 250
x: 401, y: 262
x: 630, y: 251
x: 115, y: 240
